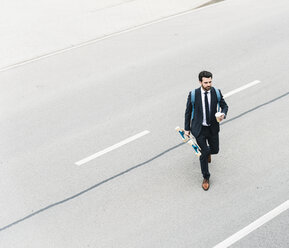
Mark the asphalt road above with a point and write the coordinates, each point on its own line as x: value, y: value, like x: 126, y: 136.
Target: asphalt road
x: 148, y: 193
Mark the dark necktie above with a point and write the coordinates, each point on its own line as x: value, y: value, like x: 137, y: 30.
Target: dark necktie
x: 207, y: 108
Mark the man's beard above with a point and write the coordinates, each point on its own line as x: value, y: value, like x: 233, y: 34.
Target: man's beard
x: 207, y: 88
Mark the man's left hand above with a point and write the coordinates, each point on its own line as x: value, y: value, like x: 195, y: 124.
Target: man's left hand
x: 222, y: 117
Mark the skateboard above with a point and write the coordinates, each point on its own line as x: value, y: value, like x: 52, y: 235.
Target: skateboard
x: 190, y: 140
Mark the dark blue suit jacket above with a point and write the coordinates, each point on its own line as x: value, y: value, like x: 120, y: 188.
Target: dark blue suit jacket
x: 195, y: 125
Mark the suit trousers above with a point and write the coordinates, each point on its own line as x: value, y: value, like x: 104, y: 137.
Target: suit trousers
x: 209, y: 144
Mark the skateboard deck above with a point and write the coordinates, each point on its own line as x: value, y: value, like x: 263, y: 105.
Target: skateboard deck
x: 189, y: 140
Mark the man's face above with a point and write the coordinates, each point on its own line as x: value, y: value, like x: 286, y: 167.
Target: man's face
x: 206, y: 83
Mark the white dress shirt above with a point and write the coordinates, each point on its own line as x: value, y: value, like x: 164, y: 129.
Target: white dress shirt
x: 204, y: 106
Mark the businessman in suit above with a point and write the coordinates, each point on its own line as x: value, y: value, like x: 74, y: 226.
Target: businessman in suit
x: 204, y: 126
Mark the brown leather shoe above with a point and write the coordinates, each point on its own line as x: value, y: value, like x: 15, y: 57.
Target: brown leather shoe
x: 209, y: 159
x: 206, y: 184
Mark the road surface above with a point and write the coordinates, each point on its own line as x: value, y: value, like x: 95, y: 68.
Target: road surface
x: 147, y: 193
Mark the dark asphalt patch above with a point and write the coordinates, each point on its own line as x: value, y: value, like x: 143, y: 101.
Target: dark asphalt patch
x: 209, y: 3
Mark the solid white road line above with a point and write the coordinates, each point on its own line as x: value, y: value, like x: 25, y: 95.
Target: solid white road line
x: 253, y: 226
x: 241, y: 88
x: 85, y: 160
x: 86, y: 43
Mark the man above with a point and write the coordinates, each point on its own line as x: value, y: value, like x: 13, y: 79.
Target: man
x: 203, y: 124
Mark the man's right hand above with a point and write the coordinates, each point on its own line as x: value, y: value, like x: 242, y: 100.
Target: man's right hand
x: 187, y: 133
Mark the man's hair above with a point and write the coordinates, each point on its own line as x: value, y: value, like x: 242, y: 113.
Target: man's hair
x: 205, y: 74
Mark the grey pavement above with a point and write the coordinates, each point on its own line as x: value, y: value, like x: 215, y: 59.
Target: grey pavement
x: 63, y: 108
x: 30, y: 29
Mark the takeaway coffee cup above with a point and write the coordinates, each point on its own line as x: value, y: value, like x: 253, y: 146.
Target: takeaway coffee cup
x: 218, y: 116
